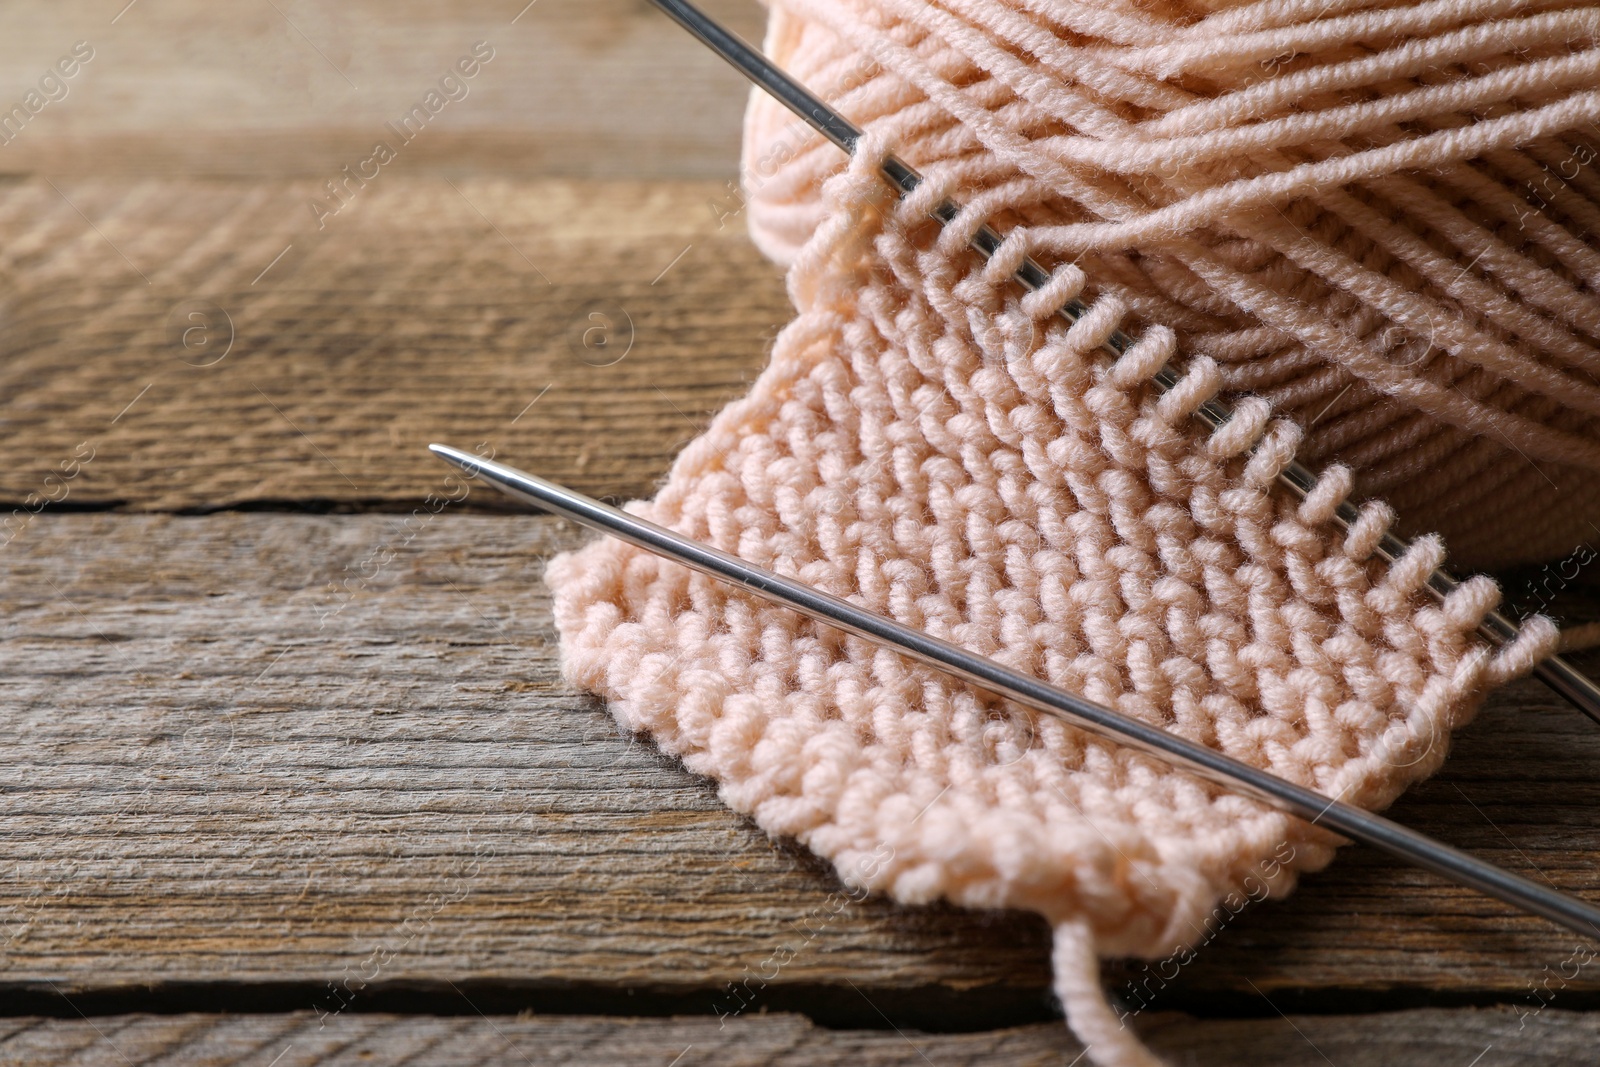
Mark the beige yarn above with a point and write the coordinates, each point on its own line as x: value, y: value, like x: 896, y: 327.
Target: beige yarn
x: 935, y: 447
x: 1287, y: 193
x: 1380, y: 215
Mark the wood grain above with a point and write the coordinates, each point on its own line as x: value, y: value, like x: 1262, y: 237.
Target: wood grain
x: 426, y: 310
x: 230, y: 771
x: 299, y: 88
x: 255, y: 748
x: 1414, y: 1038
x: 325, y: 767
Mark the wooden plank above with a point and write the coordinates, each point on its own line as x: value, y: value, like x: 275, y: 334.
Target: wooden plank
x: 259, y: 748
x: 228, y: 771
x: 425, y: 310
x: 301, y: 88
x: 1416, y: 1038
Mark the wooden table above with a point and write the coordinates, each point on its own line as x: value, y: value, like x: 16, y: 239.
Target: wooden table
x: 292, y: 778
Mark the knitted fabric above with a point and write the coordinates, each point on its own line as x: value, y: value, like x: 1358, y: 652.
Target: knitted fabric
x: 1373, y: 217
x: 932, y: 445
x: 1380, y: 215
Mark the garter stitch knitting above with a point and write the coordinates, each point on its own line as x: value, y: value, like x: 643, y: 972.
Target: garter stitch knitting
x: 946, y: 452
x: 939, y: 447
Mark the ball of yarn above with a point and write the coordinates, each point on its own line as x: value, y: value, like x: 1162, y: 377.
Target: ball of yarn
x: 1381, y: 216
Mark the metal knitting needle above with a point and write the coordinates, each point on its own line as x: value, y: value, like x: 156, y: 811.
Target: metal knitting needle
x: 1206, y: 763
x: 1556, y: 672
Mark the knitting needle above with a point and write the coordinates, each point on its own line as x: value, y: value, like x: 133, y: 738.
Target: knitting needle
x: 1555, y: 671
x: 1206, y: 763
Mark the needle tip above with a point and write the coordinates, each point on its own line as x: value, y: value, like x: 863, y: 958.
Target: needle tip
x: 512, y: 482
x: 454, y: 456
x: 470, y: 465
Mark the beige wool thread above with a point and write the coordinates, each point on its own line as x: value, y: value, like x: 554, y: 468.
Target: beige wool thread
x: 939, y: 447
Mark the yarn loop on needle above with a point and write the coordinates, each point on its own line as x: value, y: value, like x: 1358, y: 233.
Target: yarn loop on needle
x: 1378, y: 216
